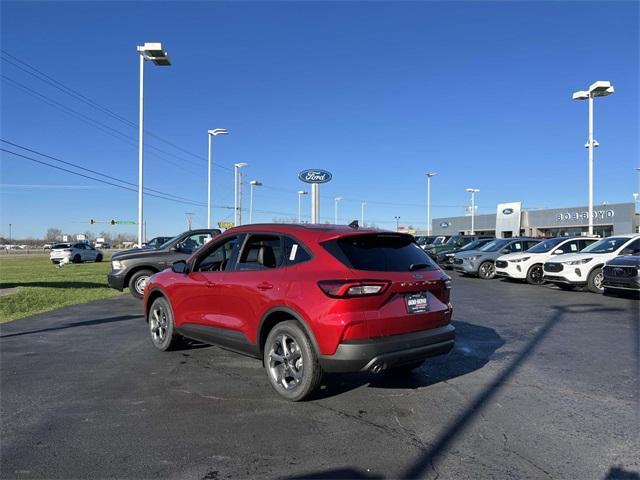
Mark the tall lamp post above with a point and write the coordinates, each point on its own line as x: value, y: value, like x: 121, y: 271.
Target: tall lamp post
x: 397, y: 223
x: 252, y: 183
x: 335, y: 209
x: 362, y: 205
x: 473, y: 192
x: 212, y: 133
x: 237, y: 193
x: 429, y: 175
x: 597, y: 89
x: 9, y: 234
x: 300, y: 194
x: 154, y: 53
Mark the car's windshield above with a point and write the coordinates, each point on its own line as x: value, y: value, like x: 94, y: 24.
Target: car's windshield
x: 494, y: 246
x: 439, y: 240
x: 606, y: 245
x: 61, y: 245
x: 546, y: 245
x: 474, y: 245
x: 168, y: 243
x: 380, y: 253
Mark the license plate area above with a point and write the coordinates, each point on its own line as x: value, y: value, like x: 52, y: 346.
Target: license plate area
x: 417, y: 302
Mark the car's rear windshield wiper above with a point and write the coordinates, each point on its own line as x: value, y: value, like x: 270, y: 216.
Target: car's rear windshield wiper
x: 417, y: 266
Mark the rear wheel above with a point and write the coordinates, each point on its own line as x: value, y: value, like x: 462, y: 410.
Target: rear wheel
x: 487, y: 270
x: 291, y: 362
x: 99, y: 258
x: 161, y: 326
x: 535, y: 275
x: 138, y: 282
x: 596, y: 278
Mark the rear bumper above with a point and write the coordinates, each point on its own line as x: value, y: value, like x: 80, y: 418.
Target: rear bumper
x: 387, y: 352
x: 115, y: 279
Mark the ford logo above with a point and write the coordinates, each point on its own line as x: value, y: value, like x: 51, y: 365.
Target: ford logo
x: 444, y: 224
x: 315, y: 176
x: 417, y: 275
x: 507, y: 211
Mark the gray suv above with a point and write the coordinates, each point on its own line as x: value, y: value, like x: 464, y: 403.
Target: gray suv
x: 481, y: 262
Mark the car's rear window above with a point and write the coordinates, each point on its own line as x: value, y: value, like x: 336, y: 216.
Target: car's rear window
x: 58, y: 246
x: 380, y: 252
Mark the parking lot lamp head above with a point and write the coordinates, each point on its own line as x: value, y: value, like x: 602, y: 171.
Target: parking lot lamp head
x: 300, y: 194
x: 154, y: 52
x: 219, y: 131
x: 252, y: 183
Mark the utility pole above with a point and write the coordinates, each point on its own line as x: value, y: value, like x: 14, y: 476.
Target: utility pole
x: 397, y: 223
x: 189, y: 216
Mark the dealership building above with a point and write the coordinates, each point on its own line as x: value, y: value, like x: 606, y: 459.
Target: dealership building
x: 511, y: 220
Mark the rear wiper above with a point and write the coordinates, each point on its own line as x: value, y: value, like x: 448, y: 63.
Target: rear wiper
x: 417, y: 266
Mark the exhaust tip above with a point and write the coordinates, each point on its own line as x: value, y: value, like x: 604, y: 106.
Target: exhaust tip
x: 377, y: 368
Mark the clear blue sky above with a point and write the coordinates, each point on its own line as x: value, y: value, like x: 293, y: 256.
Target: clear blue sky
x: 375, y: 92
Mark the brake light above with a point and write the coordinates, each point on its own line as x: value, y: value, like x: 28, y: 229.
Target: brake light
x: 446, y: 291
x: 352, y: 288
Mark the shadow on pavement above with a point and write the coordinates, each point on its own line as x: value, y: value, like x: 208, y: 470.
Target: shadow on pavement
x: 85, y: 323
x: 475, y: 345
x: 63, y: 284
x: 619, y: 473
x: 338, y: 473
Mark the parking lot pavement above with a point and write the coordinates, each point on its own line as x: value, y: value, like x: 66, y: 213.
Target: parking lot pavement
x: 542, y: 383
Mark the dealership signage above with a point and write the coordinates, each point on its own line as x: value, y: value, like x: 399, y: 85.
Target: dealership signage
x: 315, y: 175
x: 507, y: 211
x: 445, y: 224
x: 584, y: 215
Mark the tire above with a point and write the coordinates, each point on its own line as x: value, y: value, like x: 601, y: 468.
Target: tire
x: 287, y: 342
x: 535, y: 275
x: 77, y: 258
x: 487, y: 270
x: 161, y: 325
x: 594, y: 282
x: 99, y: 258
x: 138, y: 281
x: 566, y: 286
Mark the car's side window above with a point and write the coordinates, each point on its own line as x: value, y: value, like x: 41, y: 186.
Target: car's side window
x: 193, y: 242
x: 217, y: 259
x: 295, y: 252
x: 515, y: 247
x: 632, y: 249
x: 261, y: 252
x: 571, y: 247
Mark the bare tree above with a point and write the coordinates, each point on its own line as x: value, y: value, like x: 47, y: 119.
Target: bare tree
x: 53, y: 234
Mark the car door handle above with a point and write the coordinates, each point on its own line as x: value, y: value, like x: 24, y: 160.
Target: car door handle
x: 265, y: 286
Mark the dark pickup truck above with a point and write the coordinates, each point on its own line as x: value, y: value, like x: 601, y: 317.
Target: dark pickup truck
x: 132, y: 268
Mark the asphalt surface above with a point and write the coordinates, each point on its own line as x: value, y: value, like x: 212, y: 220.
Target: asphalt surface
x: 542, y: 383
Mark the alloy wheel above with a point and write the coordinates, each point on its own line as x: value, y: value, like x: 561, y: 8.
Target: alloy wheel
x: 158, y: 324
x: 597, y: 281
x: 537, y: 275
x: 286, y: 366
x: 487, y: 270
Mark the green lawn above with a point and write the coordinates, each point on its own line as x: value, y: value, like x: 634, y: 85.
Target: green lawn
x: 42, y: 286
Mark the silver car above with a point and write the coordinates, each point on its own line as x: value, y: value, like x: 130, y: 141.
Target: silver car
x: 74, y: 252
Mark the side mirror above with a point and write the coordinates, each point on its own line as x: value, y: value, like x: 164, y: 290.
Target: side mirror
x: 506, y: 250
x: 558, y: 252
x: 180, y: 267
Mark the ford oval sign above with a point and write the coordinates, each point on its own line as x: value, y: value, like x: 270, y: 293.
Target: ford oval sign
x: 444, y: 225
x: 315, y: 175
x: 507, y: 211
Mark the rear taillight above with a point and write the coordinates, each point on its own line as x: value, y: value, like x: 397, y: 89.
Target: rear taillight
x: 446, y: 291
x: 352, y: 288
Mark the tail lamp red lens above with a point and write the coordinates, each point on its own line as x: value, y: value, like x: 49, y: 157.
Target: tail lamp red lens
x: 352, y: 288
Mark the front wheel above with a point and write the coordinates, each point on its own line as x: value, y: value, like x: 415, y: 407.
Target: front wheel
x: 291, y: 362
x: 535, y: 275
x: 161, y: 326
x: 138, y: 282
x: 487, y: 270
x: 596, y: 278
x: 99, y: 258
x: 77, y: 259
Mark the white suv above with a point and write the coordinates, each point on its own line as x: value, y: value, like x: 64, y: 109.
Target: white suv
x: 528, y: 265
x: 74, y: 252
x: 585, y: 268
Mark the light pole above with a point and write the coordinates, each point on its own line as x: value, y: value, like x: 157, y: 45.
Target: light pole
x: 429, y: 175
x: 335, y: 209
x: 237, y: 192
x: 597, y: 89
x: 362, y: 205
x: 9, y: 234
x: 300, y: 194
x: 397, y: 223
x: 154, y: 53
x: 212, y: 133
x: 473, y: 192
x: 252, y: 183
x: 638, y: 170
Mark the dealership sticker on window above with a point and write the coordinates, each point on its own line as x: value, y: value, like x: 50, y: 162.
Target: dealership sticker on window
x: 294, y: 250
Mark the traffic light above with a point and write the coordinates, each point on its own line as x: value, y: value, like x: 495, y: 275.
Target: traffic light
x: 113, y: 221
x: 92, y: 221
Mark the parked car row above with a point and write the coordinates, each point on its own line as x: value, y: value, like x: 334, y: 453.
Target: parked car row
x: 601, y: 265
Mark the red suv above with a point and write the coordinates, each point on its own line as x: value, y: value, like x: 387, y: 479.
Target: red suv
x: 306, y: 300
